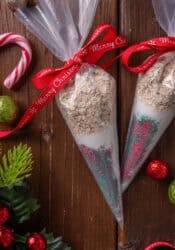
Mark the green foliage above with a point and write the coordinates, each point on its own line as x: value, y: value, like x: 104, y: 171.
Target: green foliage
x: 18, y: 198
x: 54, y: 243
x: 17, y: 247
x: 16, y: 165
x: 15, y: 168
x: 15, y: 194
x: 20, y: 242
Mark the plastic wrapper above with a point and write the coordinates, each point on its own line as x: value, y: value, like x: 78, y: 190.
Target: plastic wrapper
x: 88, y: 102
x: 154, y: 102
x: 153, y: 110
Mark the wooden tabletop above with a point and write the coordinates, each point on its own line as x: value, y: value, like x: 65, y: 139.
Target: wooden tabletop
x: 72, y: 204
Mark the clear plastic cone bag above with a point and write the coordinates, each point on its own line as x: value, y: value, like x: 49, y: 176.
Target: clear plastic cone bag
x: 88, y: 101
x: 152, y: 112
x: 164, y: 11
x: 153, y: 108
x: 88, y: 104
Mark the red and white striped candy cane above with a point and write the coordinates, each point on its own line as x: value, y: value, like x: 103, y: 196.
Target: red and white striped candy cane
x: 21, y: 67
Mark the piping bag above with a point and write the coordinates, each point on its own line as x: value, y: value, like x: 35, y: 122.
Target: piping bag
x: 154, y: 102
x: 86, y: 93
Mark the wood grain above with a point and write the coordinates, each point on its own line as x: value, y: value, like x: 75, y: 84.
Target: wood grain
x: 72, y: 204
x: 149, y: 215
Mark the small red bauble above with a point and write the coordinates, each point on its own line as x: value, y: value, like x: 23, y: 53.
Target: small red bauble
x: 160, y: 245
x: 157, y: 169
x: 6, y: 236
x: 36, y: 241
x: 4, y: 215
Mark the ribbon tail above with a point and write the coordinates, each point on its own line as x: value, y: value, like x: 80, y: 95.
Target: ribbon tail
x: 107, y: 64
x: 45, y: 77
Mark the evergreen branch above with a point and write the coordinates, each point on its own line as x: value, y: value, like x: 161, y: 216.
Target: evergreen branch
x: 54, y: 243
x: 16, y: 165
x: 19, y: 200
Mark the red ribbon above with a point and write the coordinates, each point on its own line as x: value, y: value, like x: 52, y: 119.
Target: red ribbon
x: 159, y: 45
x: 159, y: 244
x: 52, y: 80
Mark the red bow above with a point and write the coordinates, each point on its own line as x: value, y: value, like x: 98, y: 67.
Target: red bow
x: 53, y: 80
x: 160, y: 45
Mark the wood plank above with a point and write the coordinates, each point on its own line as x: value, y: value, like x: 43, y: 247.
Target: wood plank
x: 87, y: 221
x: 149, y: 215
x: 72, y: 204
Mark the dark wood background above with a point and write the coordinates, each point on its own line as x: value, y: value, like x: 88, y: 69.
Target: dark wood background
x: 72, y: 204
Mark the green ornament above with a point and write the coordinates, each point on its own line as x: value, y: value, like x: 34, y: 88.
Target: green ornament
x: 171, y: 192
x: 9, y: 110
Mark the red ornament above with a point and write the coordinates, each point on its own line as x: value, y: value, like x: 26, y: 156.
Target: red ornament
x: 6, y: 236
x: 157, y: 169
x: 4, y: 215
x: 36, y: 241
x: 160, y: 245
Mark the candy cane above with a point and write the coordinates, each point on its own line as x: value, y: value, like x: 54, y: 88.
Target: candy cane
x: 20, y: 69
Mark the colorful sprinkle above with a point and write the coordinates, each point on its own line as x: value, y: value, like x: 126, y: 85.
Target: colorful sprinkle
x: 100, y: 163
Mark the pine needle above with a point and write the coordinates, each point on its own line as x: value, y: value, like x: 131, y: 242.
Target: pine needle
x: 16, y: 165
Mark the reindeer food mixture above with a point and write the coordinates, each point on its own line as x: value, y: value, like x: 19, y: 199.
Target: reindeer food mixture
x: 88, y: 100
x: 156, y: 87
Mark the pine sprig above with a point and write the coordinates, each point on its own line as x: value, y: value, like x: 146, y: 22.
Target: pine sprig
x: 16, y: 165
